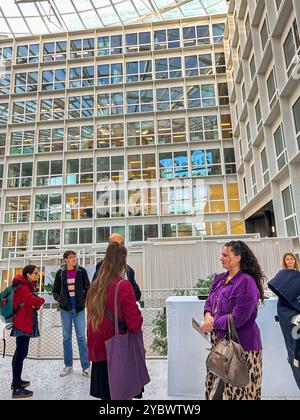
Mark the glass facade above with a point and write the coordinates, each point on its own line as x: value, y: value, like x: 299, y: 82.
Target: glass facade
x: 117, y: 131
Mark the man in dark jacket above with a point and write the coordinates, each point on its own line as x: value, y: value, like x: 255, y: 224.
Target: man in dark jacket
x: 286, y: 285
x: 69, y: 289
x: 116, y: 237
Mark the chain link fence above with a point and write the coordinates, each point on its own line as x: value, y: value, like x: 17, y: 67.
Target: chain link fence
x: 49, y: 344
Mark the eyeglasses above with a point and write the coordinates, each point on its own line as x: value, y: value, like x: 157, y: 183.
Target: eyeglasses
x: 36, y: 273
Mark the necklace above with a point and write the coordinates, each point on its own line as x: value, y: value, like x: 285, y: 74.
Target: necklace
x: 228, y: 278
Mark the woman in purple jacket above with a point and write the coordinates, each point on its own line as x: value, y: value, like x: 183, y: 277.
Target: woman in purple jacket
x: 236, y: 292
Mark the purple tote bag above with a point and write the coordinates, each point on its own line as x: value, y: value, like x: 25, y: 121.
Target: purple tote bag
x: 127, y: 370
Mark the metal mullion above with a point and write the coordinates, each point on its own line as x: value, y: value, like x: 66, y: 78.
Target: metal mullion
x: 178, y: 6
x: 56, y: 14
x: 204, y: 8
x: 7, y: 22
x: 42, y: 16
x: 119, y: 17
x: 24, y: 19
x: 99, y: 17
x: 135, y: 8
x: 78, y: 14
x: 155, y: 10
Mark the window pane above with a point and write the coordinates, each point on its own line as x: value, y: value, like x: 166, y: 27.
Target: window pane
x: 287, y: 202
x: 102, y: 234
x: 135, y: 233
x: 71, y: 236
x: 39, y: 237
x: 85, y: 236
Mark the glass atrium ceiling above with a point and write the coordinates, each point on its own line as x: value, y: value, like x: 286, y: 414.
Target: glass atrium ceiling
x: 33, y: 17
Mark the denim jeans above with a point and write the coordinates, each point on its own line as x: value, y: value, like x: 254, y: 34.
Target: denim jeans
x: 67, y: 319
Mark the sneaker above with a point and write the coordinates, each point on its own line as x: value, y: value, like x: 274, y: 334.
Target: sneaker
x: 24, y: 384
x: 66, y: 370
x: 86, y: 372
x: 22, y: 393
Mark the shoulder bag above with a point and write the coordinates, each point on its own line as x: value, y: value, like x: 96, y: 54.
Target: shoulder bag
x: 126, y: 364
x: 227, y: 359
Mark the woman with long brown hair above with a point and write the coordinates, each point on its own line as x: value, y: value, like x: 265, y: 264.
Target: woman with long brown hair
x: 100, y: 327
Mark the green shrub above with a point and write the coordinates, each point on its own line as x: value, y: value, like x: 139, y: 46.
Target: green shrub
x: 204, y: 284
x: 160, y: 342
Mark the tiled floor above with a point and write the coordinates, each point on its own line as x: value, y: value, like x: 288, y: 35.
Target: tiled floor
x: 48, y: 385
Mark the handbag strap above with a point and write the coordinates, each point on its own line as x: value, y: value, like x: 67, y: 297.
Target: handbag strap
x: 232, y: 330
x: 109, y: 315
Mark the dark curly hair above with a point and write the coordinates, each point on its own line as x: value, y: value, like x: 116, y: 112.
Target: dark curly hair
x: 248, y: 264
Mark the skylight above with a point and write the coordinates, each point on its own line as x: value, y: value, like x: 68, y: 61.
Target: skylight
x: 34, y: 17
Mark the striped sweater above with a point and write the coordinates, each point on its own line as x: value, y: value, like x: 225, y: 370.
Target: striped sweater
x: 71, y: 275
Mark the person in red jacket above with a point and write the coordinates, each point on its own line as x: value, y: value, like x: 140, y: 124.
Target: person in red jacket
x: 25, y: 325
x: 100, y: 327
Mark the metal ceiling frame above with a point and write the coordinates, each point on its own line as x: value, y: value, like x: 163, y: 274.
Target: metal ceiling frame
x: 53, y: 18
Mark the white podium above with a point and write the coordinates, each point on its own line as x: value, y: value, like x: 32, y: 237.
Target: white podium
x: 187, y: 351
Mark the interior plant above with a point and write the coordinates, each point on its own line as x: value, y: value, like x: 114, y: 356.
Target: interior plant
x: 160, y: 342
x: 203, y: 286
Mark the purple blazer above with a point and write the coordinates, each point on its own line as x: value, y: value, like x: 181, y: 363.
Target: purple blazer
x: 240, y: 298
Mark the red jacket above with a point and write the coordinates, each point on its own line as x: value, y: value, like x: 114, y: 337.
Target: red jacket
x: 128, y: 312
x: 23, y: 318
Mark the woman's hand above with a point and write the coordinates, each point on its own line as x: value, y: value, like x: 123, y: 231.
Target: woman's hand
x: 208, y: 324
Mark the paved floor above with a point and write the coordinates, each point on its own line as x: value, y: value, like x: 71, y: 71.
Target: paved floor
x: 48, y: 385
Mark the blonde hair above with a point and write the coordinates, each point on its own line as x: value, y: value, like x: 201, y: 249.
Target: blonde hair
x: 290, y: 254
x: 114, y: 265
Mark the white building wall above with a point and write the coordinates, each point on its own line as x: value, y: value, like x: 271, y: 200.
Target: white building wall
x: 245, y: 23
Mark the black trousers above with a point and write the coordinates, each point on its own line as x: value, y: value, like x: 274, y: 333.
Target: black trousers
x: 22, y: 345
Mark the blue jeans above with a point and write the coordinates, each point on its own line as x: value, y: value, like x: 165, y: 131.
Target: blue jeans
x: 67, y: 319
